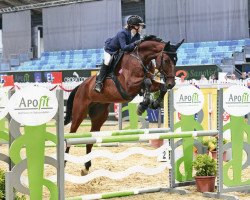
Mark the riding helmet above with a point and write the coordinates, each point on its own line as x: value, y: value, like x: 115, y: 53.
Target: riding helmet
x: 135, y: 20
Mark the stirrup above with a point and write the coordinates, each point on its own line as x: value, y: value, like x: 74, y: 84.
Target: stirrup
x: 98, y: 87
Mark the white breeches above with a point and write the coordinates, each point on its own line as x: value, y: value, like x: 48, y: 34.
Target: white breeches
x: 107, y: 58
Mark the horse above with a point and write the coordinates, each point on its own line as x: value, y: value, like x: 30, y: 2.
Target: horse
x: 134, y: 73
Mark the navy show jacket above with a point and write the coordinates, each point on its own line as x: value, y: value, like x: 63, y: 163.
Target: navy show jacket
x: 122, y: 40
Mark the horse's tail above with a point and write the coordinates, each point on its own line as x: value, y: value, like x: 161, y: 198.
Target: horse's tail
x: 69, y: 107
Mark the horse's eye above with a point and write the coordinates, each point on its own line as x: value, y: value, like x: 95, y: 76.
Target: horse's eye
x: 165, y: 61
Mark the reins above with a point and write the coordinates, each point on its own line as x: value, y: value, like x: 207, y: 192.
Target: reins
x: 136, y: 55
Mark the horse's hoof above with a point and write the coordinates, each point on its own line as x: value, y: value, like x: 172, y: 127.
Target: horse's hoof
x: 84, y: 172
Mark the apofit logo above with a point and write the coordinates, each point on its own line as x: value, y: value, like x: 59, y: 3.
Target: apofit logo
x: 236, y: 100
x: 244, y: 98
x: 188, y: 100
x: 43, y: 102
x: 194, y: 98
x: 34, y: 104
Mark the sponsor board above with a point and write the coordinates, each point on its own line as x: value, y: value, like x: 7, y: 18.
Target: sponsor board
x: 188, y: 100
x: 236, y: 100
x: 46, y: 76
x: 33, y: 105
x: 195, y: 72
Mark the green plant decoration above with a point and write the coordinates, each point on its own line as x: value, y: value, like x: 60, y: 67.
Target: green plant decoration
x: 2, y: 188
x: 204, y: 165
x: 211, y: 143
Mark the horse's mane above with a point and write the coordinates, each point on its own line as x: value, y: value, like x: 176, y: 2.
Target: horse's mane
x: 151, y: 38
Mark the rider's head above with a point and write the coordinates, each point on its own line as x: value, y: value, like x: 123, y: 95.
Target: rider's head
x: 135, y: 22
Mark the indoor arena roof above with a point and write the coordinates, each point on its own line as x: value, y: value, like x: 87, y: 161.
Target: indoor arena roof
x: 9, y: 5
x: 14, y: 3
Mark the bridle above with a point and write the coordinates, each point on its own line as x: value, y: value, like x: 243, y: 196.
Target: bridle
x: 160, y: 68
x: 135, y: 54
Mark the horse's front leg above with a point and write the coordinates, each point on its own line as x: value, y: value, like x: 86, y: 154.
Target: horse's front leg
x: 157, y: 86
x: 146, y: 100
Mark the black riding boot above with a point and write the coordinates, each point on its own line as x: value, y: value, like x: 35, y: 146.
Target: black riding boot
x: 101, y: 77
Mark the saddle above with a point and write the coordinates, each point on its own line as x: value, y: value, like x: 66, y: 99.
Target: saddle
x: 116, y: 58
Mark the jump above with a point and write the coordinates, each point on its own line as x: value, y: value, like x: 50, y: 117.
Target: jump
x: 133, y: 74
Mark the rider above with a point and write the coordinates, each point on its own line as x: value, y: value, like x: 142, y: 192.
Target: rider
x: 126, y: 40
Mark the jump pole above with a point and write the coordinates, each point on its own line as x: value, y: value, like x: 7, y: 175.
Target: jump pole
x: 117, y: 133
x: 139, y: 138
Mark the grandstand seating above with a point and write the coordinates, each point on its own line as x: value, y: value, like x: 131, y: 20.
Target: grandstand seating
x: 199, y: 53
x: 207, y: 53
x: 62, y: 60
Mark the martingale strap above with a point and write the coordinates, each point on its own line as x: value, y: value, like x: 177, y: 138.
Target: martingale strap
x: 120, y: 89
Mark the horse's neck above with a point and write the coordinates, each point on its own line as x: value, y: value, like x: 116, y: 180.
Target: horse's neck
x: 129, y: 70
x: 150, y: 49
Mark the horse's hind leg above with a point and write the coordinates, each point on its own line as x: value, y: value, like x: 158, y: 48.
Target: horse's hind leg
x: 98, y: 114
x: 78, y: 116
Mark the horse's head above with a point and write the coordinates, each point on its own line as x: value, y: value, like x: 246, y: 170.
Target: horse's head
x: 166, y: 61
x: 164, y: 53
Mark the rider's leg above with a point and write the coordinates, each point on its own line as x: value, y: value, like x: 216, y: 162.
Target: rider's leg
x: 103, y: 72
x: 101, y: 77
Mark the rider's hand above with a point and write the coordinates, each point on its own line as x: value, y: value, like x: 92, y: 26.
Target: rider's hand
x: 137, y: 42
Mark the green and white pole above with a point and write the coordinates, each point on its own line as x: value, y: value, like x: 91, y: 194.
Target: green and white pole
x: 117, y: 133
x: 139, y: 138
x: 116, y: 194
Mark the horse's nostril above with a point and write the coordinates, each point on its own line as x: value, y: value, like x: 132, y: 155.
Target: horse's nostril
x: 170, y: 86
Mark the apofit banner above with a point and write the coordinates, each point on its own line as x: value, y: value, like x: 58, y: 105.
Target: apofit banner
x: 236, y: 100
x: 188, y: 100
x: 33, y: 106
x: 3, y: 102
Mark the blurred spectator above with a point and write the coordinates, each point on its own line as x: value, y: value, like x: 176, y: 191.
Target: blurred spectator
x: 212, y: 77
x: 203, y: 78
x: 233, y: 77
x: 228, y: 76
x: 248, y: 74
x: 243, y: 76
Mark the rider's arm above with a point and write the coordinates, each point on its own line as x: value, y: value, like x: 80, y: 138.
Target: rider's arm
x: 122, y: 41
x: 136, y: 37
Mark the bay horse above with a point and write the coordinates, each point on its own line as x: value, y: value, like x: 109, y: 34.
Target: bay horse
x: 135, y: 73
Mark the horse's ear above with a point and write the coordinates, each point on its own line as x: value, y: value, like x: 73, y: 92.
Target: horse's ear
x: 179, y: 44
x: 167, y: 46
